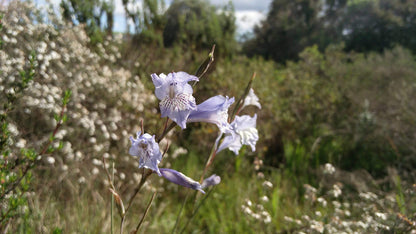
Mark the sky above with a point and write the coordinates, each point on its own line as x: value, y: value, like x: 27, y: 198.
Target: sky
x: 248, y: 13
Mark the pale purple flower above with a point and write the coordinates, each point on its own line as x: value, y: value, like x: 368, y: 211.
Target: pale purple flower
x: 243, y: 132
x: 213, y: 110
x: 251, y: 99
x: 146, y: 148
x: 211, y: 181
x: 175, y: 95
x: 180, y: 179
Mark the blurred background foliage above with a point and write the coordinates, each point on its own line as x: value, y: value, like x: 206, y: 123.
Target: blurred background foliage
x: 336, y: 80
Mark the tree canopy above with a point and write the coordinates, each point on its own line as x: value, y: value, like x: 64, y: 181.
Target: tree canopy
x: 365, y: 25
x: 90, y: 13
x: 198, y: 24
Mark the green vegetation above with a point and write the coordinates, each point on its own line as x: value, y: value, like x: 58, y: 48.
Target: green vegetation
x: 368, y: 25
x: 196, y: 25
x: 337, y: 126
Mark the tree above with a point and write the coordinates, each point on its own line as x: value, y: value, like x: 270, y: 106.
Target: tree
x: 145, y: 14
x: 90, y: 13
x: 376, y: 25
x: 363, y: 25
x: 196, y: 24
x: 148, y: 20
x: 331, y: 22
x: 290, y: 26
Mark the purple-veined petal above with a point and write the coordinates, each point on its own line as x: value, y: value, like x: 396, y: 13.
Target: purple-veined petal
x: 147, y: 149
x: 180, y: 179
x: 175, y: 95
x: 211, y: 181
x: 179, y: 117
x: 158, y: 80
x: 213, y: 110
x: 184, y: 77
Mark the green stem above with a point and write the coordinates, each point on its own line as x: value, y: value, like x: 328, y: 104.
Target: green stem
x: 180, y: 212
x: 240, y: 101
x: 136, y: 191
x: 166, y: 131
x: 196, y: 210
x: 145, y: 212
x: 112, y: 201
x: 209, y: 161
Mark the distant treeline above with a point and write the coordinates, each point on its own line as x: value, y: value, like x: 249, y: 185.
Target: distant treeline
x: 362, y: 25
x: 290, y: 26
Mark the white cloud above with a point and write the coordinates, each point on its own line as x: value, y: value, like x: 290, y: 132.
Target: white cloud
x: 119, y: 8
x: 245, y: 5
x: 246, y: 20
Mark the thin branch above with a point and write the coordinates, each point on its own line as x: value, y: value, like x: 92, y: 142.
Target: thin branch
x: 166, y: 149
x: 166, y: 131
x: 209, y: 161
x: 196, y: 210
x: 240, y: 101
x: 43, y: 151
x: 108, y: 174
x: 112, y: 197
x: 145, y: 212
x: 200, y: 73
x: 142, y: 181
x: 180, y: 212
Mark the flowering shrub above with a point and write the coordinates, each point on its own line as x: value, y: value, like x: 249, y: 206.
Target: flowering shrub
x: 107, y: 104
x: 331, y: 208
x: 102, y: 91
x: 99, y: 116
x: 16, y: 160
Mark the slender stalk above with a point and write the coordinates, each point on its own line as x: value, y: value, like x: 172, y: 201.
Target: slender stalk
x: 145, y: 212
x: 240, y: 101
x: 141, y: 126
x: 209, y: 161
x: 180, y: 212
x: 203, y: 68
x: 122, y: 224
x: 136, y: 191
x: 114, y: 193
x: 110, y: 181
x: 112, y: 201
x: 196, y: 210
x: 166, y: 130
x: 166, y: 149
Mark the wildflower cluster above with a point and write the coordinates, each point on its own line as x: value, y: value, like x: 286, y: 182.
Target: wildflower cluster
x: 256, y: 211
x: 332, y: 211
x: 177, y: 103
